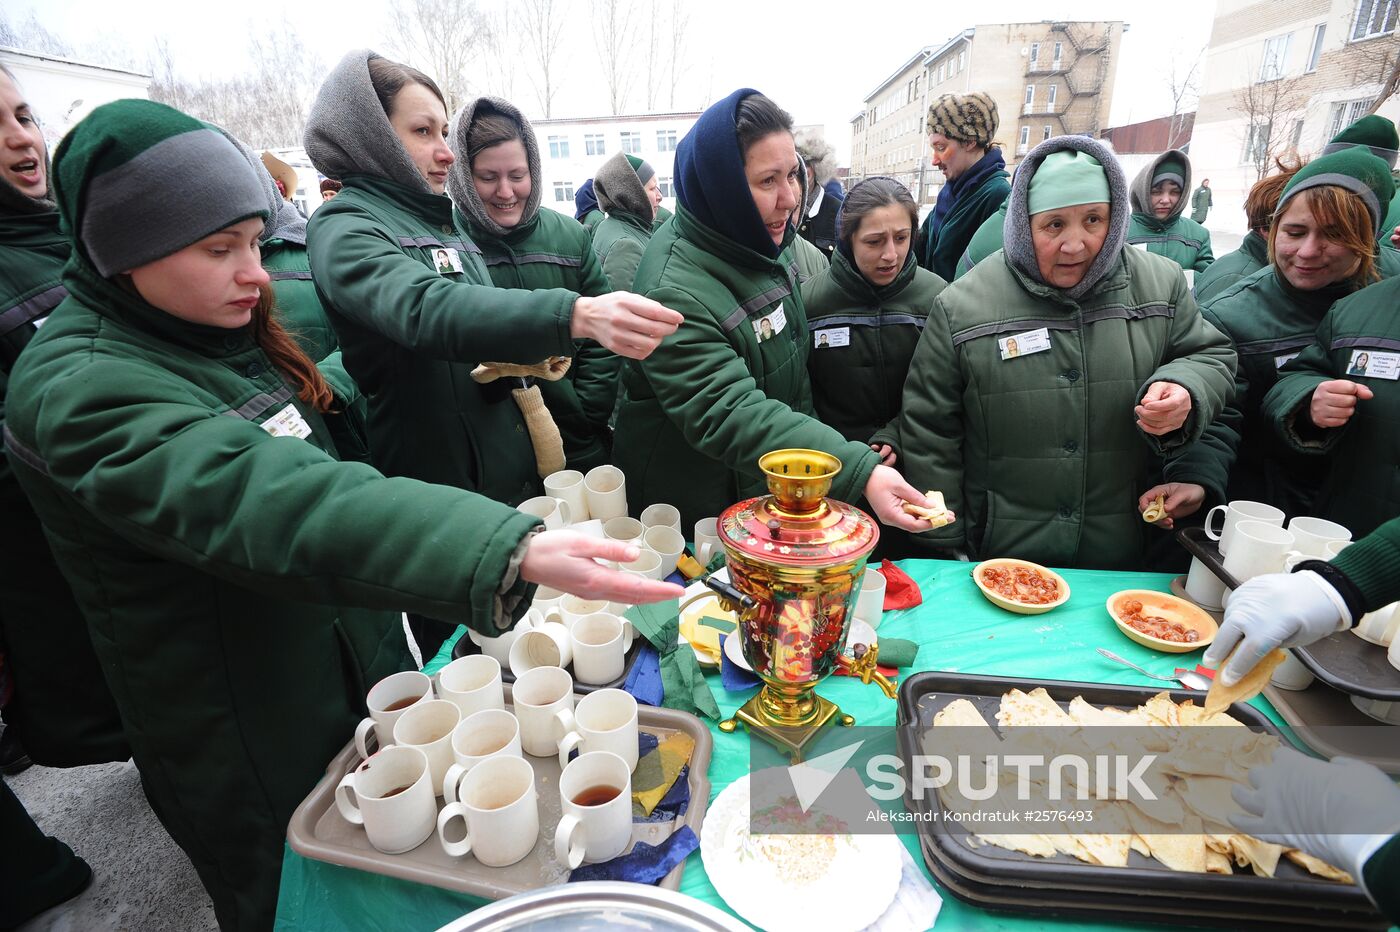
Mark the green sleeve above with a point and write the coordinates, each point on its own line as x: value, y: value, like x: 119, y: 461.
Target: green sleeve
x: 364, y: 274
x: 620, y: 266
x: 596, y: 369
x: 178, y: 479
x: 1205, y: 257
x: 708, y: 392
x: 1373, y: 566
x: 1207, y: 462
x: 1201, y: 360
x: 929, y: 434
x: 1285, y: 407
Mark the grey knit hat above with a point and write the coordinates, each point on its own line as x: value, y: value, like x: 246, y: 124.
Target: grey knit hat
x: 619, y: 188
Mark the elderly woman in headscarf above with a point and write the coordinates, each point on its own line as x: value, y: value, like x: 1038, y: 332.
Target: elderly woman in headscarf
x: 1044, y: 450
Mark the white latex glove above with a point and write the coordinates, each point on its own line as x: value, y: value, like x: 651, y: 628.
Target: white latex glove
x: 1340, y: 811
x: 1277, y: 610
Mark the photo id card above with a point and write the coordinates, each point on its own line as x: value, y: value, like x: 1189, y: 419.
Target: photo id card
x: 287, y: 423
x: 1374, y: 364
x: 831, y: 337
x: 1281, y: 361
x: 446, y: 261
x: 770, y: 325
x: 1024, y: 344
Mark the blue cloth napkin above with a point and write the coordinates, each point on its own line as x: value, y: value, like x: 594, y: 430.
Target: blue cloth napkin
x: 644, y: 863
x: 734, y: 677
x: 644, y: 681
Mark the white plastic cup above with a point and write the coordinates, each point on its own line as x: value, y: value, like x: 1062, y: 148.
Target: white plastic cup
x: 1291, y: 674
x: 605, y: 720
x: 573, y: 607
x: 592, y: 833
x: 599, y: 644
x: 1205, y: 588
x: 605, y: 487
x: 545, y: 646
x: 661, y: 515
x: 567, y: 485
x: 499, y: 647
x: 706, y: 540
x: 1312, y: 535
x: 628, y: 530
x: 666, y: 542
x: 1257, y: 548
x: 500, y: 810
x: 1380, y: 626
x: 472, y: 684
x: 870, y: 603
x: 1234, y: 513
x: 546, y: 603
x: 387, y: 700
x: 428, y: 727
x: 556, y: 513
x: 487, y: 734
x: 647, y: 565
x: 391, y: 795
x: 540, y: 698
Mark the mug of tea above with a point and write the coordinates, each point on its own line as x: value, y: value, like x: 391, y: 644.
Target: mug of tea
x: 387, y: 700
x: 391, y: 795
x: 595, y: 791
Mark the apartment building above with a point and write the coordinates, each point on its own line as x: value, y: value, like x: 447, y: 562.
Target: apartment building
x: 573, y: 149
x: 1047, y: 78
x: 1284, y: 76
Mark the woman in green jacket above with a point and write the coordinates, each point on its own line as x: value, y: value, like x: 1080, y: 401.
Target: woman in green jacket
x: 626, y: 188
x: 867, y: 310
x: 412, y: 335
x: 243, y: 586
x: 62, y: 720
x: 1322, y: 240
x: 731, y: 384
x: 1159, y: 198
x: 1035, y: 445
x: 496, y: 186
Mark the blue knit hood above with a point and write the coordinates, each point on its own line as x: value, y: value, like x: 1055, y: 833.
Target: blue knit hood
x: 710, y: 180
x: 585, y: 201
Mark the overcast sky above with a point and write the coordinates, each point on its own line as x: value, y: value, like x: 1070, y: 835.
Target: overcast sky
x: 819, y: 61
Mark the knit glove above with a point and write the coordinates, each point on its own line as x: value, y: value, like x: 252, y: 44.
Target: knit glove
x: 544, y: 433
x: 551, y: 370
x: 1341, y: 812
x: 1277, y: 610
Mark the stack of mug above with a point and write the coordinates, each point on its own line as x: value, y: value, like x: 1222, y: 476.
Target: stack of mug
x: 462, y: 743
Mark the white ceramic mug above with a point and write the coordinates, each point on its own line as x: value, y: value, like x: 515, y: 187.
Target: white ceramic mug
x: 499, y: 647
x: 391, y: 795
x: 667, y: 543
x: 500, y: 810
x: 1204, y: 588
x: 628, y: 530
x: 567, y: 485
x: 1234, y: 513
x: 605, y: 487
x: 662, y: 516
x: 594, y: 831
x: 545, y: 646
x: 1312, y: 535
x: 387, y: 700
x: 1291, y: 674
x: 1334, y: 547
x: 647, y: 565
x: 556, y: 513
x: 1380, y: 626
x: 546, y: 603
x: 472, y: 684
x: 1392, y: 653
x: 605, y: 720
x: 1257, y: 548
x: 487, y: 734
x: 428, y: 727
x: 573, y: 607
x: 540, y: 698
x: 870, y: 603
x: 706, y: 540
x: 599, y: 644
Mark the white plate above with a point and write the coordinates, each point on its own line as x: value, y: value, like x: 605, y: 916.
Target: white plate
x: 735, y: 652
x: 754, y: 889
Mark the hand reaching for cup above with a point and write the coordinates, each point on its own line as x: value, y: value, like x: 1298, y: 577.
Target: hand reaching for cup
x: 1334, y: 402
x: 565, y: 560
x: 1163, y: 408
x: 628, y: 324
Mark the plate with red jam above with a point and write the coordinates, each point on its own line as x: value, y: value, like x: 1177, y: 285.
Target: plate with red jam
x: 1020, y: 586
x: 1161, y: 621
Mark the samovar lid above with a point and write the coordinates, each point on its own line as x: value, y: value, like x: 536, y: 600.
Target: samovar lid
x: 797, y: 525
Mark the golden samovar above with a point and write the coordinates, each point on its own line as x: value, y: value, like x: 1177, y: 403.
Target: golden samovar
x: 795, y: 562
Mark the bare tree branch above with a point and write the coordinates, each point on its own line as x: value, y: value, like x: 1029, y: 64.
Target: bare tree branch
x: 544, y: 34
x: 442, y: 38
x: 1184, y: 84
x: 614, y: 33
x: 678, y: 60
x: 1266, y: 107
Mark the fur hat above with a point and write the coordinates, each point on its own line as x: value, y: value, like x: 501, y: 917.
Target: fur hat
x: 969, y: 117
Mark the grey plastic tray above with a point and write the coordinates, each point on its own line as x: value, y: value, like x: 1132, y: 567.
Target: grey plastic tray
x: 319, y: 832
x: 1325, y: 720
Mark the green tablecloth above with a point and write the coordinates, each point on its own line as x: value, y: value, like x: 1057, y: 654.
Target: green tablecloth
x: 958, y: 631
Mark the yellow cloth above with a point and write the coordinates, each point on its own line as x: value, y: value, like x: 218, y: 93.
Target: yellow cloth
x: 544, y: 433
x: 657, y: 771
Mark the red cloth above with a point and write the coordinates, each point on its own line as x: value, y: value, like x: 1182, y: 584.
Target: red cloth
x: 900, y: 590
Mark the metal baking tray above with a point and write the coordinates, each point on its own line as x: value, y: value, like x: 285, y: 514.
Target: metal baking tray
x: 996, y: 878
x: 318, y: 831
x: 1324, y: 720
x: 465, y: 645
x: 1342, y: 661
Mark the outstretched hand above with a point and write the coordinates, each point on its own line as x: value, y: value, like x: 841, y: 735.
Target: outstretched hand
x: 565, y: 560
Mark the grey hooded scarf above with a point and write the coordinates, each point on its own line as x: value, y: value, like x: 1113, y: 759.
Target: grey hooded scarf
x: 619, y: 189
x: 459, y: 177
x: 1016, y: 233
x: 348, y: 132
x: 285, y: 221
x: 1141, y: 189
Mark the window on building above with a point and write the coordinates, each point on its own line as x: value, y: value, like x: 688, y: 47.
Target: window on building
x: 1375, y: 18
x: 942, y: 71
x: 593, y: 144
x: 563, y: 191
x: 559, y: 147
x: 1297, y: 135
x: 667, y: 189
x: 1030, y: 94
x: 1054, y: 88
x: 1035, y: 53
x: 1314, y: 53
x: 1025, y: 137
x: 1348, y: 112
x: 962, y: 59
x: 665, y: 140
x: 1256, y: 143
x: 1059, y: 50
x: 1045, y: 132
x: 631, y: 141
x: 1275, y: 56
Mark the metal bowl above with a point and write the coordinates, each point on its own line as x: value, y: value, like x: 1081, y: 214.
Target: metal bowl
x: 598, y: 906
